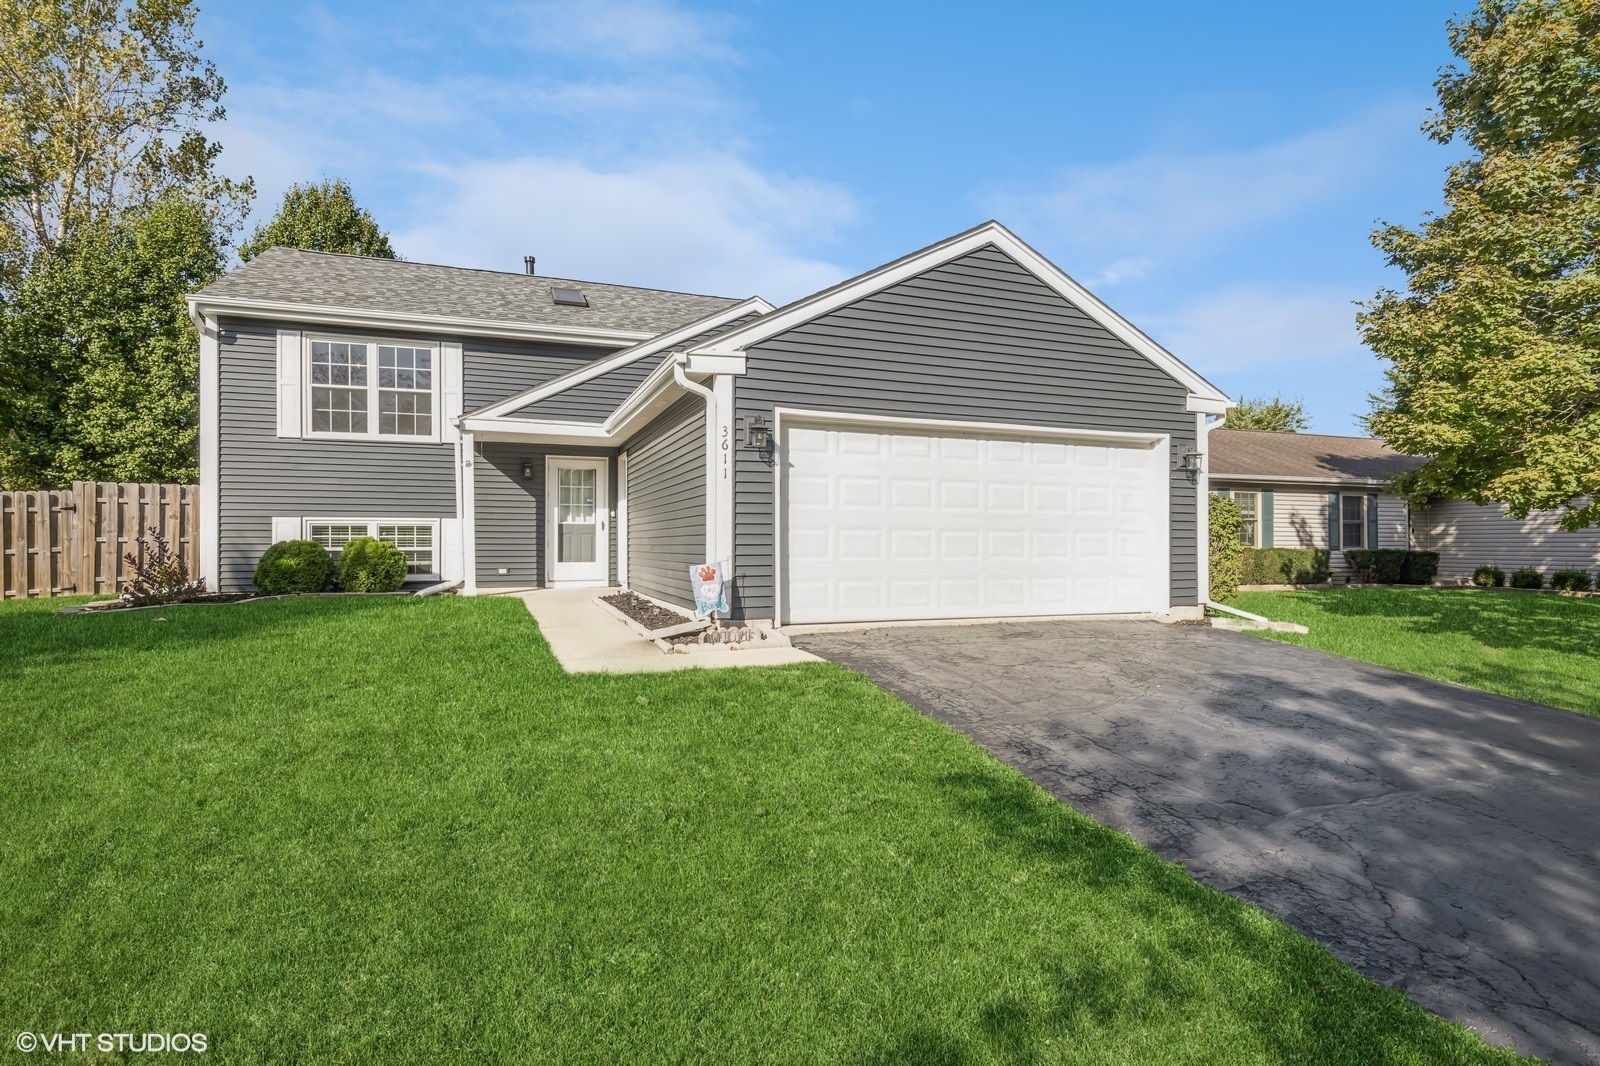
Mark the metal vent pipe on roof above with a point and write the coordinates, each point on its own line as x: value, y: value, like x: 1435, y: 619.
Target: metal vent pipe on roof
x: 527, y: 264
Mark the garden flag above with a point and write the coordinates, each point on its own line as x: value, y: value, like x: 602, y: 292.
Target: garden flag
x: 710, y: 593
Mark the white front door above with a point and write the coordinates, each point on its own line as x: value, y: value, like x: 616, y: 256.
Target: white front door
x: 576, y: 539
x: 904, y: 524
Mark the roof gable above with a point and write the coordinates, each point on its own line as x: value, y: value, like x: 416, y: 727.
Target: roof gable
x: 990, y: 234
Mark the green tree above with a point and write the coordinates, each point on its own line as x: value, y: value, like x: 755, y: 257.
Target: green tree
x: 1275, y: 414
x: 321, y: 217
x: 98, y: 357
x: 1494, y: 349
x: 103, y: 105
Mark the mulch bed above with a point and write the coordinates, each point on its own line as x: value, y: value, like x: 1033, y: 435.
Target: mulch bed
x: 118, y: 605
x: 650, y: 615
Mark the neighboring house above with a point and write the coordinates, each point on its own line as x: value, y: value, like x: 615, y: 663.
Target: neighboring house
x: 964, y: 432
x: 1306, y: 490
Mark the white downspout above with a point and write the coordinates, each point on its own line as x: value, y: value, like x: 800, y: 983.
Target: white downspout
x: 679, y: 360
x: 1203, y: 504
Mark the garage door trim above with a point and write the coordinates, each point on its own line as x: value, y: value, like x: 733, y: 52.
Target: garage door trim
x: 783, y: 417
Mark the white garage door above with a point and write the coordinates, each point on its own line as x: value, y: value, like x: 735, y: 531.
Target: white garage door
x: 900, y: 525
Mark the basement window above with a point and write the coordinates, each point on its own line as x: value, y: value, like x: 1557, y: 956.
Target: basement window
x: 569, y: 297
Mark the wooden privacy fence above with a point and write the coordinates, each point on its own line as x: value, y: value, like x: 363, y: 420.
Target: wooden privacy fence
x: 71, y: 542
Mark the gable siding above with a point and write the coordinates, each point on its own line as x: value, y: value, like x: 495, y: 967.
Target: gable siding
x: 510, y: 512
x: 1468, y: 536
x: 493, y: 369
x: 262, y: 476
x: 978, y: 339
x: 667, y: 502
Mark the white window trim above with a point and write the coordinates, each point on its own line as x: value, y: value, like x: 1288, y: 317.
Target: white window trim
x: 372, y: 525
x: 1344, y: 525
x: 1256, y: 543
x: 437, y: 392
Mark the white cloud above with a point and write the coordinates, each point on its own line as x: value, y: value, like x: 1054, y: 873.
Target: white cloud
x: 711, y: 224
x: 624, y: 29
x: 1120, y: 221
x: 1253, y: 325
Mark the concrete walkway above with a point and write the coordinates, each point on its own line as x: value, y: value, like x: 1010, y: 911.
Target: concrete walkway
x: 587, y: 640
x: 1438, y: 839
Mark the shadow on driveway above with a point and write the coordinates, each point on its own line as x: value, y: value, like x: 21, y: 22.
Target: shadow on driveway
x: 1438, y: 839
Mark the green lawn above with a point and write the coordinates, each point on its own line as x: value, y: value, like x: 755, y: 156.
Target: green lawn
x: 381, y: 830
x: 1534, y: 647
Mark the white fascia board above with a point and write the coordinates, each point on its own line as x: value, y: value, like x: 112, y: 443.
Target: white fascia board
x: 1324, y: 482
x: 932, y: 426
x: 717, y: 365
x: 657, y: 343
x: 1207, y: 405
x: 365, y: 319
x: 990, y: 233
x: 528, y: 429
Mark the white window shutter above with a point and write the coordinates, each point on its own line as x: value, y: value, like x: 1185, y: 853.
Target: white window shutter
x: 289, y: 356
x: 450, y: 564
x: 450, y: 377
x: 285, y: 529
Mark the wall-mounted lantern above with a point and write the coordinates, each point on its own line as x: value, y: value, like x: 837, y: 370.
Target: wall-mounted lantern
x: 527, y: 469
x: 1189, y: 463
x: 757, y: 434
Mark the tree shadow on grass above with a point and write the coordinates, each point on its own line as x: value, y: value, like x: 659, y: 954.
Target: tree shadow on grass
x: 1494, y: 618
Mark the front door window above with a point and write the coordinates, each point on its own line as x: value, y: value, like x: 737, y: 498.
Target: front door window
x: 578, y: 542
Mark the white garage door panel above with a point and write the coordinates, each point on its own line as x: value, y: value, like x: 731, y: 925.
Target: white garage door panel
x: 887, y: 526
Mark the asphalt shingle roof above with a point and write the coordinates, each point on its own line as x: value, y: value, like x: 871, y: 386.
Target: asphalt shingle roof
x: 323, y: 279
x: 1252, y: 452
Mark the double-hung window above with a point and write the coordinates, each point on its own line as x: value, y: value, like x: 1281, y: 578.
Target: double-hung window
x: 362, y: 389
x: 1249, y: 518
x: 417, y: 540
x: 1352, y: 521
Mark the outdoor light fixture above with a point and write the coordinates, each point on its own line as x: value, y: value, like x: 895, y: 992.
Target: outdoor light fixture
x: 757, y: 434
x: 1190, y: 463
x: 527, y: 469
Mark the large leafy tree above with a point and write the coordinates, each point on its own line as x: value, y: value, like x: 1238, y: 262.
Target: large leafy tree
x: 322, y: 217
x: 98, y: 357
x: 103, y: 107
x: 1274, y: 414
x: 1494, y: 348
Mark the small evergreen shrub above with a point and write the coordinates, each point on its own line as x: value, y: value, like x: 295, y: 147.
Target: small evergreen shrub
x: 1527, y: 577
x: 293, y: 566
x: 1489, y: 577
x: 369, y: 565
x: 1226, y: 553
x: 1287, y: 566
x: 1393, y: 566
x: 1571, y: 580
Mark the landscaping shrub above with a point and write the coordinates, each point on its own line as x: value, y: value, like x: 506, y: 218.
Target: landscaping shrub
x: 1393, y: 566
x: 157, y: 574
x: 1286, y: 566
x: 369, y: 565
x: 1571, y: 580
x: 1527, y: 577
x: 1227, y: 554
x: 293, y: 566
x: 1489, y: 577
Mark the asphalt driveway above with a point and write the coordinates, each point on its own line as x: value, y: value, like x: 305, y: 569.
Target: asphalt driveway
x: 1436, y: 838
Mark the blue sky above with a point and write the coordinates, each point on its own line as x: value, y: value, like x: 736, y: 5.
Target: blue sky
x: 1211, y: 171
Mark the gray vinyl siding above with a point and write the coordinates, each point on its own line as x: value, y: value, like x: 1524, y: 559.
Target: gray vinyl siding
x: 494, y: 369
x: 1468, y: 536
x: 979, y: 339
x: 510, y: 512
x: 262, y: 476
x: 1300, y: 518
x: 667, y: 502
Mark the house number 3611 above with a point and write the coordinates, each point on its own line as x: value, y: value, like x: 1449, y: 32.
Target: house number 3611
x: 727, y: 452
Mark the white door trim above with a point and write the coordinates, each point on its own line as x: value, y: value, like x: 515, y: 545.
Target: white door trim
x: 1160, y: 443
x: 597, y: 572
x: 622, y: 519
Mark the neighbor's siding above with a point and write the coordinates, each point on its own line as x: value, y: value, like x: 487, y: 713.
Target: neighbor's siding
x: 1468, y: 536
x: 511, y: 512
x: 667, y: 502
x: 1300, y: 519
x: 262, y: 475
x: 979, y: 339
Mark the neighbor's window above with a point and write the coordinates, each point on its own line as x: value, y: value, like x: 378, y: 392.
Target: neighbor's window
x: 415, y: 540
x: 346, y: 393
x: 1249, y: 517
x: 1352, y: 521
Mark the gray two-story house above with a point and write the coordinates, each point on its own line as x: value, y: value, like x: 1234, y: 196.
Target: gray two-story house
x: 964, y: 432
